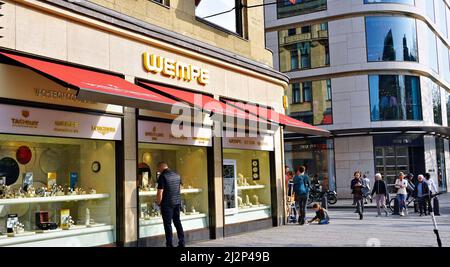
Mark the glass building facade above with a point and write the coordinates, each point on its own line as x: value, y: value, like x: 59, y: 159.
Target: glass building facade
x: 395, y: 97
x: 304, y: 47
x: 286, y: 9
x: 391, y: 39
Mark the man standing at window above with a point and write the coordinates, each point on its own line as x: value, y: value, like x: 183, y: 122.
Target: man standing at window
x: 169, y: 198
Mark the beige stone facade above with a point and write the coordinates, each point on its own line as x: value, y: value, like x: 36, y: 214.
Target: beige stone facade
x: 47, y: 30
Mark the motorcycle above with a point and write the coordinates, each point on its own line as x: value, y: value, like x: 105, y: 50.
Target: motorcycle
x: 316, y: 195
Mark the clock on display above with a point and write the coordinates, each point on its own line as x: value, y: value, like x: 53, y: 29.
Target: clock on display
x: 96, y: 166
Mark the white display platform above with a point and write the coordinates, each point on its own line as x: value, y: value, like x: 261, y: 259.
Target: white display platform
x: 249, y: 214
x: 251, y: 187
x: 31, y: 200
x: 154, y: 227
x: 183, y: 191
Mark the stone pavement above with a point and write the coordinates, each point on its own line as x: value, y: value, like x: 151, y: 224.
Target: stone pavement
x: 346, y: 229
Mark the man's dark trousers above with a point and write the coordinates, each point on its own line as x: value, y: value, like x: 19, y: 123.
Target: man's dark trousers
x: 301, y: 206
x: 170, y: 214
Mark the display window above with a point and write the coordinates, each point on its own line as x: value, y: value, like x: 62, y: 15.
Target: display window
x: 189, y: 160
x: 52, y: 189
x: 247, y: 179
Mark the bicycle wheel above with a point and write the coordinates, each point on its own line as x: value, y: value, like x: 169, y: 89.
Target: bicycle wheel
x: 391, y: 204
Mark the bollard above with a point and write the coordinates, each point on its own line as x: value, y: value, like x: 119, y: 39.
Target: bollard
x: 396, y: 207
x: 436, y: 206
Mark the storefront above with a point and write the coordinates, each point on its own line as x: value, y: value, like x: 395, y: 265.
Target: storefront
x: 247, y: 179
x: 186, y: 155
x: 58, y: 164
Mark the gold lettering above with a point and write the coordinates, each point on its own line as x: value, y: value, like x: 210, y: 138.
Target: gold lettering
x: 204, y: 77
x: 169, y: 67
x: 153, y: 63
x: 182, y: 72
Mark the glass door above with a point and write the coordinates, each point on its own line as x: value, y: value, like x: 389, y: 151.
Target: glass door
x: 389, y: 161
x: 440, y: 158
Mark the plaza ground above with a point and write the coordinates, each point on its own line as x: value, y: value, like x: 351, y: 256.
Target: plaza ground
x: 346, y: 229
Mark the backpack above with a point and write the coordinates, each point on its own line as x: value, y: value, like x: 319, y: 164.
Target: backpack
x: 302, y: 188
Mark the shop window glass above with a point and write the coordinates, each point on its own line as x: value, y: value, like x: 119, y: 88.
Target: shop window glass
x: 391, y: 39
x: 314, y: 106
x: 247, y: 177
x: 437, y: 110
x: 286, y: 9
x: 306, y: 49
x: 224, y: 14
x: 440, y: 158
x: 395, y: 97
x: 407, y: 2
x: 317, y: 157
x: 441, y: 16
x: 44, y: 180
x: 432, y: 51
x: 191, y: 164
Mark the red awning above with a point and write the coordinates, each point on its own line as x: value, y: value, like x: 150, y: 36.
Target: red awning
x: 97, y: 86
x: 290, y: 124
x: 206, y: 103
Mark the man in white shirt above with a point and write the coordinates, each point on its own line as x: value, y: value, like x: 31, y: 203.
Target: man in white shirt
x: 434, y: 190
x: 431, y: 184
x: 401, y: 184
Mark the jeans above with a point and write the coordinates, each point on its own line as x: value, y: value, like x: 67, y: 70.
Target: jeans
x: 381, y: 203
x: 359, y: 204
x: 401, y: 202
x: 324, y: 221
x: 300, y: 203
x: 170, y: 214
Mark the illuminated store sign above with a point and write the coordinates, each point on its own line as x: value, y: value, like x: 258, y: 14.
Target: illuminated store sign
x: 161, y: 133
x: 171, y: 68
x: 36, y: 121
x: 254, y: 143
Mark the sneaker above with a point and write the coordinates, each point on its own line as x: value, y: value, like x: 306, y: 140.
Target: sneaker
x: 402, y: 214
x: 361, y: 216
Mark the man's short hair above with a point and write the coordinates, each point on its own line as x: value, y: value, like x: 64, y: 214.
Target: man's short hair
x: 163, y: 164
x: 427, y: 176
x: 301, y: 169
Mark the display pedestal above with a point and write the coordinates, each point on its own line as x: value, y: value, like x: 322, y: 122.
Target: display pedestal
x: 154, y: 226
x: 249, y: 214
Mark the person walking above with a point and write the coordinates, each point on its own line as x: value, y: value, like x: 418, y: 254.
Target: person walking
x: 380, y: 188
x: 366, y: 189
x: 401, y: 184
x: 422, y: 191
x: 169, y: 199
x: 357, y: 191
x: 301, y: 190
x: 433, y: 191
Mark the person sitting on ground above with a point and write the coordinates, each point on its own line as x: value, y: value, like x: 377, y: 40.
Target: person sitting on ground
x: 321, y: 215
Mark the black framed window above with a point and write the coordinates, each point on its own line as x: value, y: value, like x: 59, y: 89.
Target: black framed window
x: 295, y: 93
x: 162, y: 2
x: 226, y: 15
x: 437, y: 109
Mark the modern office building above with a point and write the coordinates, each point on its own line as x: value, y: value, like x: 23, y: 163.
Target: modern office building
x: 376, y: 74
x: 89, y: 93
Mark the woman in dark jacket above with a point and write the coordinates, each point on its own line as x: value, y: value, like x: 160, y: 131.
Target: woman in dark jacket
x: 380, y: 188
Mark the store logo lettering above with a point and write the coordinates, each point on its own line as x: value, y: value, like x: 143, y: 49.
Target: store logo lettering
x: 154, y: 135
x: 24, y: 122
x: 103, y: 130
x: 171, y: 68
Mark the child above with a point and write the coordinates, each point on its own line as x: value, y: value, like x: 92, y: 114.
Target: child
x: 321, y: 215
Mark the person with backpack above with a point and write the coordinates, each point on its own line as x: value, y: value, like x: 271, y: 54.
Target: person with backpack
x: 357, y: 186
x: 301, y: 190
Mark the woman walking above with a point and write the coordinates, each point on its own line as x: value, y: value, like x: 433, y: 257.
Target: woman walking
x: 380, y: 188
x: 402, y: 184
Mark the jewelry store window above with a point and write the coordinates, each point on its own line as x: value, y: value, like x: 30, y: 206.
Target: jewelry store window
x: 185, y: 156
x: 56, y: 191
x: 246, y: 180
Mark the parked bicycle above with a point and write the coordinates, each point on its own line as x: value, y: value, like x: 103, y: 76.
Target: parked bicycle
x: 316, y: 195
x: 408, y: 202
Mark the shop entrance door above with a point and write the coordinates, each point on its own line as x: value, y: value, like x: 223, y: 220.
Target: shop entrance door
x: 389, y: 161
x: 229, y: 186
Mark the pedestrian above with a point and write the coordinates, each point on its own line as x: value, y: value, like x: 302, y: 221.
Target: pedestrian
x: 287, y: 175
x: 357, y: 188
x: 401, y: 184
x: 411, y: 185
x: 380, y: 188
x: 366, y: 189
x: 169, y: 199
x: 301, y: 190
x: 422, y: 191
x: 322, y: 216
x: 433, y: 191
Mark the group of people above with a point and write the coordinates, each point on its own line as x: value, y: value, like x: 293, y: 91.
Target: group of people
x: 405, y: 186
x: 299, y: 185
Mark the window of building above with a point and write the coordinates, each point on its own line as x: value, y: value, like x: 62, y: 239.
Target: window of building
x: 162, y: 2
x: 429, y: 9
x: 295, y: 93
x: 306, y: 49
x: 437, y: 109
x: 440, y: 158
x: 432, y: 51
x: 286, y: 9
x: 224, y: 14
x: 318, y: 158
x: 443, y: 53
x: 395, y: 97
x: 448, y: 109
x: 441, y: 16
x: 391, y: 39
x: 314, y: 105
x: 407, y: 2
